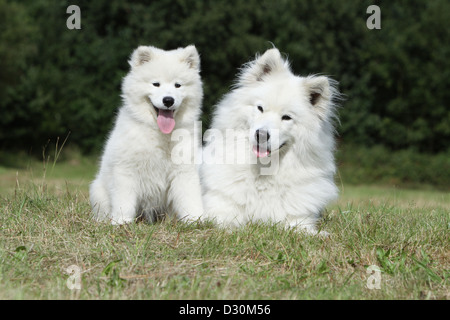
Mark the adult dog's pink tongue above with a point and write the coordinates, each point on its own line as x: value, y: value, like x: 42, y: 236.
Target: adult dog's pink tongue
x: 165, y: 121
x: 260, y: 152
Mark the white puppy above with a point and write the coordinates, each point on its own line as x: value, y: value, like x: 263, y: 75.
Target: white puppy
x: 162, y: 96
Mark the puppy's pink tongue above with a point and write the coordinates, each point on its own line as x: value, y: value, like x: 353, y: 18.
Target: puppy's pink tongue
x: 165, y: 121
x: 260, y: 152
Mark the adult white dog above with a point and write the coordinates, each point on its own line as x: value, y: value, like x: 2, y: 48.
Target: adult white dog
x: 162, y: 95
x: 274, y: 135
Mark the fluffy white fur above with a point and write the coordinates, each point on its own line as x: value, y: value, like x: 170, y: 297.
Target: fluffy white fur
x: 137, y: 176
x: 298, y: 114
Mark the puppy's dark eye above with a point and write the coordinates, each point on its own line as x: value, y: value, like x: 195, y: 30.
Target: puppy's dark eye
x: 286, y: 117
x: 155, y: 84
x: 260, y: 108
x: 177, y: 85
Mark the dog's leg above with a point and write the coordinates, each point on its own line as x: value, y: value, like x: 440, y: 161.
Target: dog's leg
x: 185, y: 196
x: 99, y: 200
x: 223, y: 212
x: 307, y: 225
x: 123, y: 200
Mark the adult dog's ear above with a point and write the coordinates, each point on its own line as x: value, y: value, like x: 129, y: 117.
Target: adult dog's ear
x: 140, y: 56
x: 320, y: 91
x: 191, y: 57
x: 254, y: 71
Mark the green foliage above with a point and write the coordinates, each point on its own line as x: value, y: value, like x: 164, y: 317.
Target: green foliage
x: 393, y: 262
x: 364, y: 165
x: 55, y: 80
x: 14, y: 45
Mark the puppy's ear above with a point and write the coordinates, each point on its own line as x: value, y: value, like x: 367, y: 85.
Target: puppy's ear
x: 191, y: 57
x: 140, y: 56
x: 320, y: 91
x: 254, y: 71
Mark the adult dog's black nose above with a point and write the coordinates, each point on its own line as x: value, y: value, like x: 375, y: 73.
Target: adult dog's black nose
x: 262, y: 135
x: 168, y: 101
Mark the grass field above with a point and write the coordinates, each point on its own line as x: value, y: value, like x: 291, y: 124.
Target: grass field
x: 45, y: 228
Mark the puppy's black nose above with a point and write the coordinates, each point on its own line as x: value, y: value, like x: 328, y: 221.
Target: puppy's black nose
x: 262, y: 135
x: 168, y: 101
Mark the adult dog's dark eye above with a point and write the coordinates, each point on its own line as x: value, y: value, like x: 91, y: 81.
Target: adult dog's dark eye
x: 260, y: 108
x: 286, y: 117
x: 155, y: 84
x: 177, y: 85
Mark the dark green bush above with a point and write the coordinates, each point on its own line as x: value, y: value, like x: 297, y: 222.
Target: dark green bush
x: 406, y: 168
